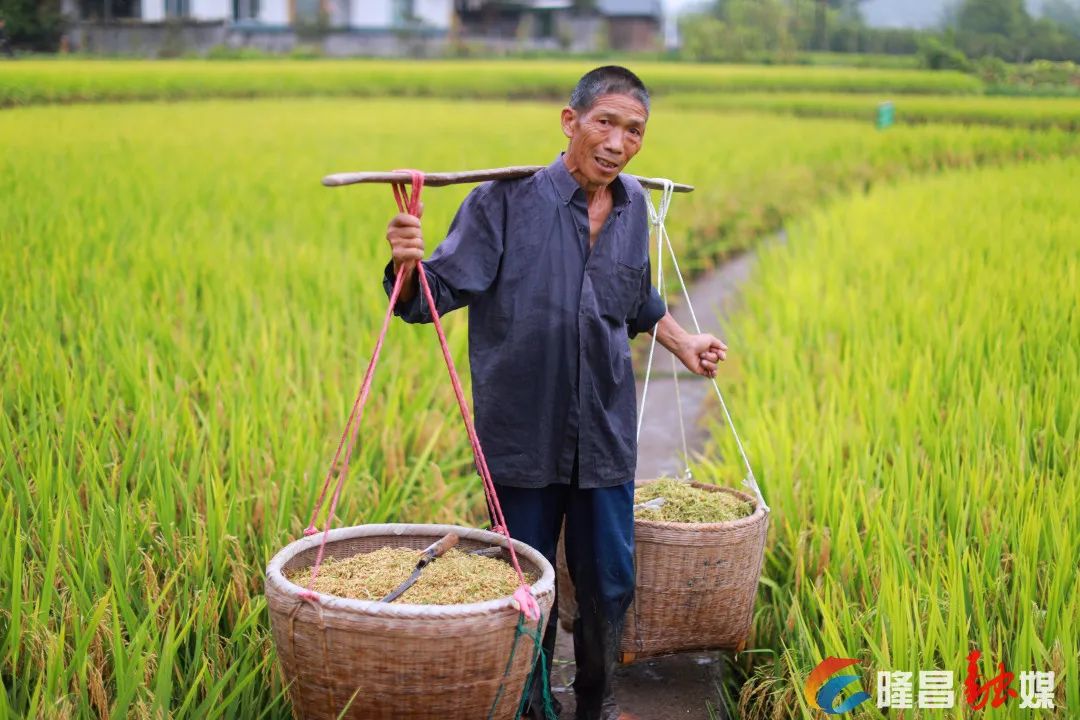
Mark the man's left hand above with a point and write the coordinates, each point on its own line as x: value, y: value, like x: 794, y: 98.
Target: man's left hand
x: 701, y: 354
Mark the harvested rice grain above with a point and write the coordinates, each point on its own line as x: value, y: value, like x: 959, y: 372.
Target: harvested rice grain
x: 456, y: 577
x: 687, y: 504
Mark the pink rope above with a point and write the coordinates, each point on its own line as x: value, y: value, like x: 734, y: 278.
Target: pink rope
x: 410, y: 202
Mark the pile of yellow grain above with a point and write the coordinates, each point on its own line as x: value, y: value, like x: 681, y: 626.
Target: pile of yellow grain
x: 456, y: 577
x: 687, y: 504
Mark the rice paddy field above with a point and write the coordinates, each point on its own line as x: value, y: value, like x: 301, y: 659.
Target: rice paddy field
x: 1041, y: 112
x: 186, y: 316
x: 63, y: 81
x: 908, y: 384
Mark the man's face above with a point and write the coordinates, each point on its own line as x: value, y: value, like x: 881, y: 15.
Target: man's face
x: 604, y: 137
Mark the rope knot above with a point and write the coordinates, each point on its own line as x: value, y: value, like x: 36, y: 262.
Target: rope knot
x: 658, y: 214
x: 526, y: 603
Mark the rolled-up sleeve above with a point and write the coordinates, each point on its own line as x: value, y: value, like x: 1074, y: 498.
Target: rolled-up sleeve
x: 650, y: 307
x: 464, y: 264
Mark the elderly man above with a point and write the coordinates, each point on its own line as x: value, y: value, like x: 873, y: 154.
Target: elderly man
x: 555, y: 270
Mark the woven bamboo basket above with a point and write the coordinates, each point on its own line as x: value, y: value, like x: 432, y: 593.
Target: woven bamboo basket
x: 395, y: 660
x: 696, y: 584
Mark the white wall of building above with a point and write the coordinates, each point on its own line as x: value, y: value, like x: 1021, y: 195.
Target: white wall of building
x: 211, y: 9
x: 153, y: 10
x: 376, y: 14
x: 371, y: 13
x: 380, y: 13
x: 273, y: 12
x: 435, y: 13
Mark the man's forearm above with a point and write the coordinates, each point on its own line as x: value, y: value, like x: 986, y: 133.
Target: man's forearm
x: 670, y: 334
x: 410, y: 283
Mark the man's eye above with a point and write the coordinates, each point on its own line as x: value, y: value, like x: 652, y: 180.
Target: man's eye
x: 603, y: 121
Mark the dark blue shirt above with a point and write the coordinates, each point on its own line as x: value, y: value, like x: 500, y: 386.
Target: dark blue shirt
x: 549, y: 323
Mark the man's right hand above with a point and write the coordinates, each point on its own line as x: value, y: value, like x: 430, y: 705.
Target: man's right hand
x: 406, y: 239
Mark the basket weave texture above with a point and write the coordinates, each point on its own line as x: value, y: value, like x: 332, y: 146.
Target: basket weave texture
x: 397, y: 660
x: 696, y: 583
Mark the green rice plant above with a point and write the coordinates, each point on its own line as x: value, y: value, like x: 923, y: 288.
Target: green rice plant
x: 1034, y: 113
x: 878, y: 60
x: 187, y: 313
x: 905, y: 377
x: 52, y: 81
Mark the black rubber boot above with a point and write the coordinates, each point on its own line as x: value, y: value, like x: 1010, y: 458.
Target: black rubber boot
x: 596, y: 647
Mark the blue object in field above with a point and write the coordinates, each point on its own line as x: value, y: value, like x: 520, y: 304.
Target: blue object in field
x: 886, y: 115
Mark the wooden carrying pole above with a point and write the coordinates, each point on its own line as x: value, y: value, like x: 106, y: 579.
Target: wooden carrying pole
x: 466, y: 176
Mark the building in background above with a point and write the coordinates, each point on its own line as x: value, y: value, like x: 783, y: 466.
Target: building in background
x: 626, y: 25
x: 342, y: 14
x: 513, y: 19
x: 633, y: 25
x: 364, y: 27
x: 331, y: 27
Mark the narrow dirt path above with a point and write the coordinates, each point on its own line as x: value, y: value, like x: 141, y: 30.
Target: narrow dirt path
x: 687, y: 685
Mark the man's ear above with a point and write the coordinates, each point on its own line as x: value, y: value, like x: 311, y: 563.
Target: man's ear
x: 569, y: 119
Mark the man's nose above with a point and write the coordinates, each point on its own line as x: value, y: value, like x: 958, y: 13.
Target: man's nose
x: 613, y: 143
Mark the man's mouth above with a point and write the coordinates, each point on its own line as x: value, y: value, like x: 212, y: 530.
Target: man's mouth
x: 607, y: 164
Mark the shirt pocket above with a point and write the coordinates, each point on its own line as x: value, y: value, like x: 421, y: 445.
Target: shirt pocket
x: 617, y: 295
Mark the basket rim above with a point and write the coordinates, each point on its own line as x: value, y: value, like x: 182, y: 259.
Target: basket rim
x: 752, y: 519
x: 276, y: 578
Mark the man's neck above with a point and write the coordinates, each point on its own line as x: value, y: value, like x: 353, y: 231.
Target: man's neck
x: 594, y: 192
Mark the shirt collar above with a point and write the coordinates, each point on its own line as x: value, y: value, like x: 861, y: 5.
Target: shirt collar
x: 566, y: 185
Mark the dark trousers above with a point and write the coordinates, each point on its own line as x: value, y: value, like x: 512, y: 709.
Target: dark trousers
x: 600, y: 557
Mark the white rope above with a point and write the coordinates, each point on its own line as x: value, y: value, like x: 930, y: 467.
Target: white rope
x: 657, y: 218
x: 688, y: 474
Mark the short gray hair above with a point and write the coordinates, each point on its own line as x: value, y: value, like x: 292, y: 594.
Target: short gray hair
x: 607, y: 80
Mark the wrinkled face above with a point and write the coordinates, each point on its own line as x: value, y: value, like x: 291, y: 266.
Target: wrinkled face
x: 604, y: 137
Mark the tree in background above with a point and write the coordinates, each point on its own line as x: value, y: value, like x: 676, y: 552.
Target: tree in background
x: 703, y: 37
x: 1005, y: 29
x: 757, y: 27
x: 742, y: 29
x: 1007, y: 18
x: 846, y: 11
x: 724, y: 31
x: 775, y: 30
x: 33, y: 24
x: 1065, y: 13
